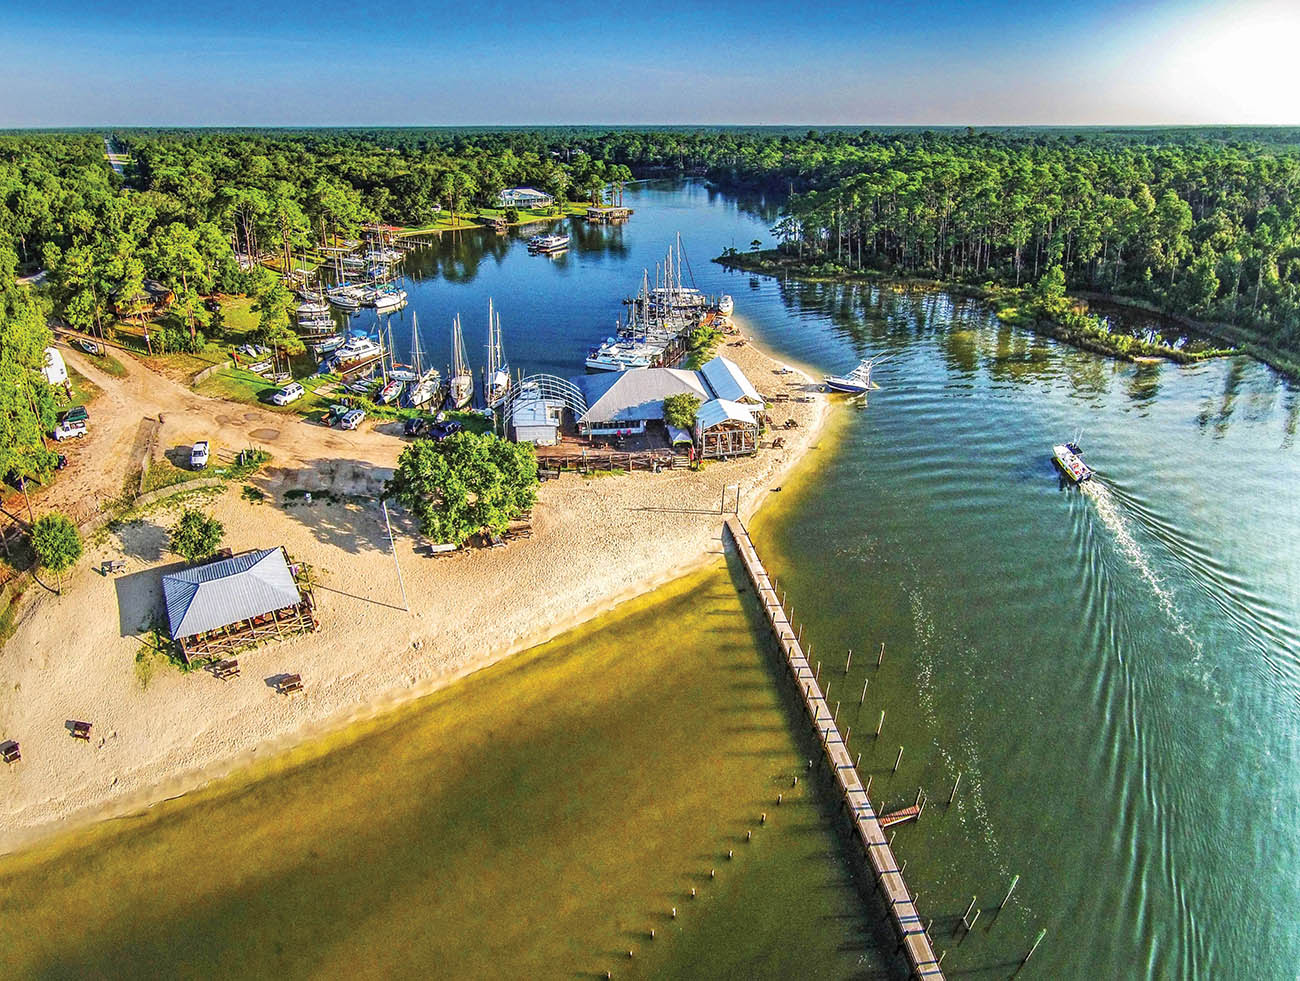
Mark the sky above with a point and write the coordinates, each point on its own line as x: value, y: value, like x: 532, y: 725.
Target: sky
x: 742, y: 62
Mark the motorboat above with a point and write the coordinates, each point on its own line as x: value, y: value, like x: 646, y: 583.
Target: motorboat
x: 858, y: 380
x: 616, y: 355
x: 726, y: 305
x: 311, y: 308
x: 1068, y: 457
x: 346, y: 301
x: 548, y: 243
x: 389, y: 299
x: 328, y: 344
x: 357, y: 350
x: 390, y: 392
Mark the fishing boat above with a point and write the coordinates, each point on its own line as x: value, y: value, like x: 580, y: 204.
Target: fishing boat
x: 548, y: 243
x: 460, y: 381
x: 1067, y: 456
x: 496, y: 379
x: 726, y: 305
x: 356, y: 351
x: 427, y: 382
x: 856, y: 381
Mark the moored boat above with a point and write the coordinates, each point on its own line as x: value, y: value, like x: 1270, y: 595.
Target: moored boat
x: 548, y: 243
x: 726, y: 305
x: 857, y: 381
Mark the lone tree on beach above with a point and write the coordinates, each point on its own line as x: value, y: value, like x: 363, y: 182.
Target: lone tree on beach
x: 196, y: 536
x: 465, y: 484
x: 57, y: 544
x: 680, y: 409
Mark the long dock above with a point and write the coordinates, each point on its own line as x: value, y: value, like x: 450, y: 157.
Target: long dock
x: 913, y: 939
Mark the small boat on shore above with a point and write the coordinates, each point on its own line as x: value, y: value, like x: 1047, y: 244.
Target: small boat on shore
x: 726, y: 305
x: 390, y: 392
x: 1068, y: 457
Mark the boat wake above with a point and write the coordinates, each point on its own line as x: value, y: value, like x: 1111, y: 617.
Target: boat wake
x: 1109, y: 511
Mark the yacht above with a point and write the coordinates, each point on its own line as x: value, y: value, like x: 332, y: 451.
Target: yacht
x: 345, y: 298
x: 389, y: 299
x: 310, y: 308
x: 548, y: 243
x: 357, y: 350
x: 620, y: 355
x: 858, y: 380
x: 726, y: 305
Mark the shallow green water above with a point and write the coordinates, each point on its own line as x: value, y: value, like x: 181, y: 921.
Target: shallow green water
x: 536, y: 820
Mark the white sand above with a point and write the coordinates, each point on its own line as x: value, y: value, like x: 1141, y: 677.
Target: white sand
x: 596, y: 542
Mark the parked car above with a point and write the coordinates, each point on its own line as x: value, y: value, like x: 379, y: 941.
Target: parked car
x: 199, y: 455
x: 353, y: 419
x: 77, y: 413
x: 70, y: 430
x: 337, y: 411
x: 290, y: 393
x: 416, y: 426
x: 441, y: 430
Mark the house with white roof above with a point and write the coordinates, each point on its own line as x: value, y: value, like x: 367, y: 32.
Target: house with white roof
x: 524, y: 197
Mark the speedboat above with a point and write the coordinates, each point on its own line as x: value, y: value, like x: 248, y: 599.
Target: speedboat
x: 1068, y: 457
x: 328, y: 344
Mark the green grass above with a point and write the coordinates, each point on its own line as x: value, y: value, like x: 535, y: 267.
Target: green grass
x: 534, y: 820
x: 239, y: 385
x: 239, y: 317
x: 163, y: 473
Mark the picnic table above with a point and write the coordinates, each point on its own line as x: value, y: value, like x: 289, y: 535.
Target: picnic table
x: 112, y: 565
x: 225, y: 670
x: 9, y: 752
x: 290, y: 684
x: 80, y: 730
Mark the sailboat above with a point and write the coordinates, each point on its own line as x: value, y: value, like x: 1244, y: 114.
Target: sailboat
x: 496, y: 380
x: 460, y: 384
x: 428, y: 381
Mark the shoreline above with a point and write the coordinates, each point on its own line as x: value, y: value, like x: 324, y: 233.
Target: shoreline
x: 1245, y: 341
x: 53, y: 802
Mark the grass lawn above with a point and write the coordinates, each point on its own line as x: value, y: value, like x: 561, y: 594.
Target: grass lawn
x: 239, y: 385
x: 164, y: 473
x: 238, y: 317
x: 84, y: 391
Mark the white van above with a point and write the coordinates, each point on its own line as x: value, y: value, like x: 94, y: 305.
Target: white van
x: 290, y: 393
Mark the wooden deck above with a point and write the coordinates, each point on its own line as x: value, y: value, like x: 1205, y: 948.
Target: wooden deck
x: 913, y: 939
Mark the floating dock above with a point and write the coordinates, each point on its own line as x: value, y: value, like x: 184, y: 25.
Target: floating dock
x: 913, y: 939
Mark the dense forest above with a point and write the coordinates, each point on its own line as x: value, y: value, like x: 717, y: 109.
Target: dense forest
x: 1201, y: 222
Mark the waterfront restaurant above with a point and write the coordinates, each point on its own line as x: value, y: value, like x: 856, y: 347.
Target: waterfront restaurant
x: 525, y: 197
x: 724, y: 428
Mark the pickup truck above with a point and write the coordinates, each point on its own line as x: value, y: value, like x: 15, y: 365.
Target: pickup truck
x: 199, y: 455
x: 70, y: 429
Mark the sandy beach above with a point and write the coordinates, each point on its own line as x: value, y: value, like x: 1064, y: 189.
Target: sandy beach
x: 595, y: 542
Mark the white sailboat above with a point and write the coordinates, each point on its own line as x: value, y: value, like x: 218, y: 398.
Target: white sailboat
x: 460, y: 386
x: 496, y: 379
x: 428, y: 381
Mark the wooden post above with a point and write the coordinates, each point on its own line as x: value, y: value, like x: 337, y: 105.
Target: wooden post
x: 880, y: 725
x: 847, y: 733
x: 971, y: 926
x: 954, y: 789
x: 1014, y: 882
x: 968, y: 909
x: 817, y: 676
x: 917, y: 802
x: 826, y: 695
x: 899, y: 760
x: 1041, y: 934
x: 800, y: 638
x: 848, y: 661
x: 870, y: 777
x: 864, y: 692
x: 858, y: 764
x: 882, y: 654
x: 836, y: 717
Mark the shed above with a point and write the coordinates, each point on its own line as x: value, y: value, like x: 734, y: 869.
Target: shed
x: 725, y: 428
x: 219, y: 607
x: 537, y: 420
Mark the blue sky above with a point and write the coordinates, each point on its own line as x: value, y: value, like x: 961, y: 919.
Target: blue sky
x: 240, y: 62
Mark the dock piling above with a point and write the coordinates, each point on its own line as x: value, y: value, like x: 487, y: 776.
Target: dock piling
x: 881, y: 724
x: 1015, y: 880
x: 848, y: 661
x: 864, y: 692
x: 899, y: 760
x: 1041, y: 934
x: 882, y: 654
x: 954, y: 789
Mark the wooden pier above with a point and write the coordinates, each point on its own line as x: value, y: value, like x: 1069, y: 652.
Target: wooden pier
x: 913, y: 939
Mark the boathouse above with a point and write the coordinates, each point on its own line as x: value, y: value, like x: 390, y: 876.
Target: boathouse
x: 525, y: 197
x: 219, y: 607
x: 600, y: 214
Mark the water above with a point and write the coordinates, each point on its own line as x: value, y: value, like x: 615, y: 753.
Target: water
x: 1113, y: 670
x: 537, y: 819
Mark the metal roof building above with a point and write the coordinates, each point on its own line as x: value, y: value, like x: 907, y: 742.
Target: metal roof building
x: 627, y: 400
x: 246, y: 588
x: 729, y: 382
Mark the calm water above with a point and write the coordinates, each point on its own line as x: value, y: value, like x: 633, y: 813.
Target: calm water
x: 536, y: 820
x: 1113, y: 671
